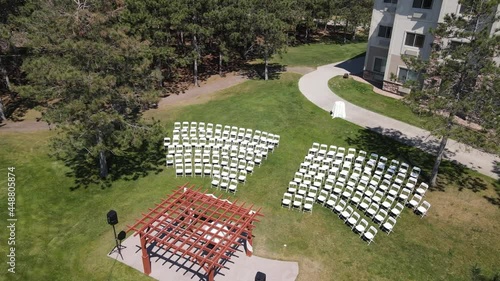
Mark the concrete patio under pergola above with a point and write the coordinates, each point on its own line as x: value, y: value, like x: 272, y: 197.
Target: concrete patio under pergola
x: 196, y: 236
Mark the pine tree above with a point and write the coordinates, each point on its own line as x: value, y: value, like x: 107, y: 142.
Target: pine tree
x: 93, y: 79
x: 461, y: 77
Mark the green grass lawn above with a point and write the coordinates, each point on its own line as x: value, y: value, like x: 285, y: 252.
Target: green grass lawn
x: 62, y: 234
x: 317, y: 54
x: 362, y: 94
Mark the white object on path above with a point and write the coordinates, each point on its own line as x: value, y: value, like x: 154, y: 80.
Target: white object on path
x: 338, y: 110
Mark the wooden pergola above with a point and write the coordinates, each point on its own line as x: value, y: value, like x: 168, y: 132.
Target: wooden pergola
x: 197, y: 226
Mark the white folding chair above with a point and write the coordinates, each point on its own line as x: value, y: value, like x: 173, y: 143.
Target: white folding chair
x: 286, y: 202
x: 179, y: 170
x: 323, y: 195
x: 340, y: 206
x: 423, y: 209
x: 170, y: 160
x: 387, y: 204
x: 233, y: 173
x: 233, y: 186
x: 216, y: 181
x: 369, y: 235
x: 242, y: 177
x: 414, y: 202
x: 346, y: 213
x: 422, y: 188
x: 380, y: 217
x: 360, y: 228
x: 353, y: 219
x: 224, y: 183
x: 388, y: 225
x: 198, y: 169
x: 250, y: 166
x: 308, y: 205
x: 207, y: 169
x: 397, y: 210
x: 404, y: 195
x: 297, y: 202
x: 188, y: 169
x: 372, y: 210
x: 364, y: 204
x: 331, y: 202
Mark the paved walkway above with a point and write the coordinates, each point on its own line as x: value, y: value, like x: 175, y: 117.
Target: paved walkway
x: 167, y: 266
x: 314, y: 86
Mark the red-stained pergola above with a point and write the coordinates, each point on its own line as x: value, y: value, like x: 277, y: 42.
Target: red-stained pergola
x: 197, y: 226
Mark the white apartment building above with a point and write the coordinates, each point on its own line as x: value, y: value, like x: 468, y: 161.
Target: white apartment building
x: 402, y: 28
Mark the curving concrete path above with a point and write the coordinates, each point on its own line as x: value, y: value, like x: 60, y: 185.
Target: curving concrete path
x: 314, y: 86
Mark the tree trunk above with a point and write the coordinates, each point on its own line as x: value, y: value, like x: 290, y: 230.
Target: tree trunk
x: 266, y: 74
x: 345, y: 31
x: 2, y: 114
x: 307, y: 34
x: 7, y: 84
x: 439, y: 157
x: 220, y: 64
x: 195, y: 45
x: 103, y: 164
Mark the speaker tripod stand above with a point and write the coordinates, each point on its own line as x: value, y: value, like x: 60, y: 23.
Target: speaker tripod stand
x: 118, y: 240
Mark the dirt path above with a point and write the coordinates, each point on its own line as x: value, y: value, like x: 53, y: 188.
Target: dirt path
x: 192, y: 95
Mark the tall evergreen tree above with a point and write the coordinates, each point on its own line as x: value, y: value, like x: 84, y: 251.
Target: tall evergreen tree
x: 93, y: 79
x: 461, y: 77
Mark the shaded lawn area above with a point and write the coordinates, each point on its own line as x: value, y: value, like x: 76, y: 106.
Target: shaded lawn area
x: 316, y: 54
x: 363, y: 95
x: 63, y: 234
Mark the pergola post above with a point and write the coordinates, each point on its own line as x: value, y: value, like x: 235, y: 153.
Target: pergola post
x: 211, y: 274
x: 146, y: 262
x: 249, y: 245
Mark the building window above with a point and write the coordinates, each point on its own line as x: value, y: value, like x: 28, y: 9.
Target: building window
x: 422, y: 4
x: 414, y: 40
x: 391, y: 1
x: 384, y: 31
x: 464, y: 9
x: 379, y: 65
x: 406, y: 75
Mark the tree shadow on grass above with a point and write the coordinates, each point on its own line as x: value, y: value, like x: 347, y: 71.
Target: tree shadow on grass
x: 256, y: 70
x: 395, y: 145
x: 129, y: 166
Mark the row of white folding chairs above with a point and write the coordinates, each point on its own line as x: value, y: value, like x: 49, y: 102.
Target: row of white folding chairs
x: 233, y: 132
x: 320, y: 152
x: 264, y: 137
x: 240, y: 176
x: 363, y: 176
x: 214, y: 159
x: 233, y: 151
x: 221, y: 140
x: 348, y: 166
x: 218, y: 146
x: 297, y: 202
x: 209, y: 169
x: 225, y: 183
x: 201, y: 126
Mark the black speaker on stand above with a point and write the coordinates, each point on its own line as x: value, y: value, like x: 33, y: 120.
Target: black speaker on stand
x: 112, y: 218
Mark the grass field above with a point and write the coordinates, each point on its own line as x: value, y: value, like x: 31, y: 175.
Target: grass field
x: 63, y: 235
x: 319, y: 54
x: 363, y: 95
